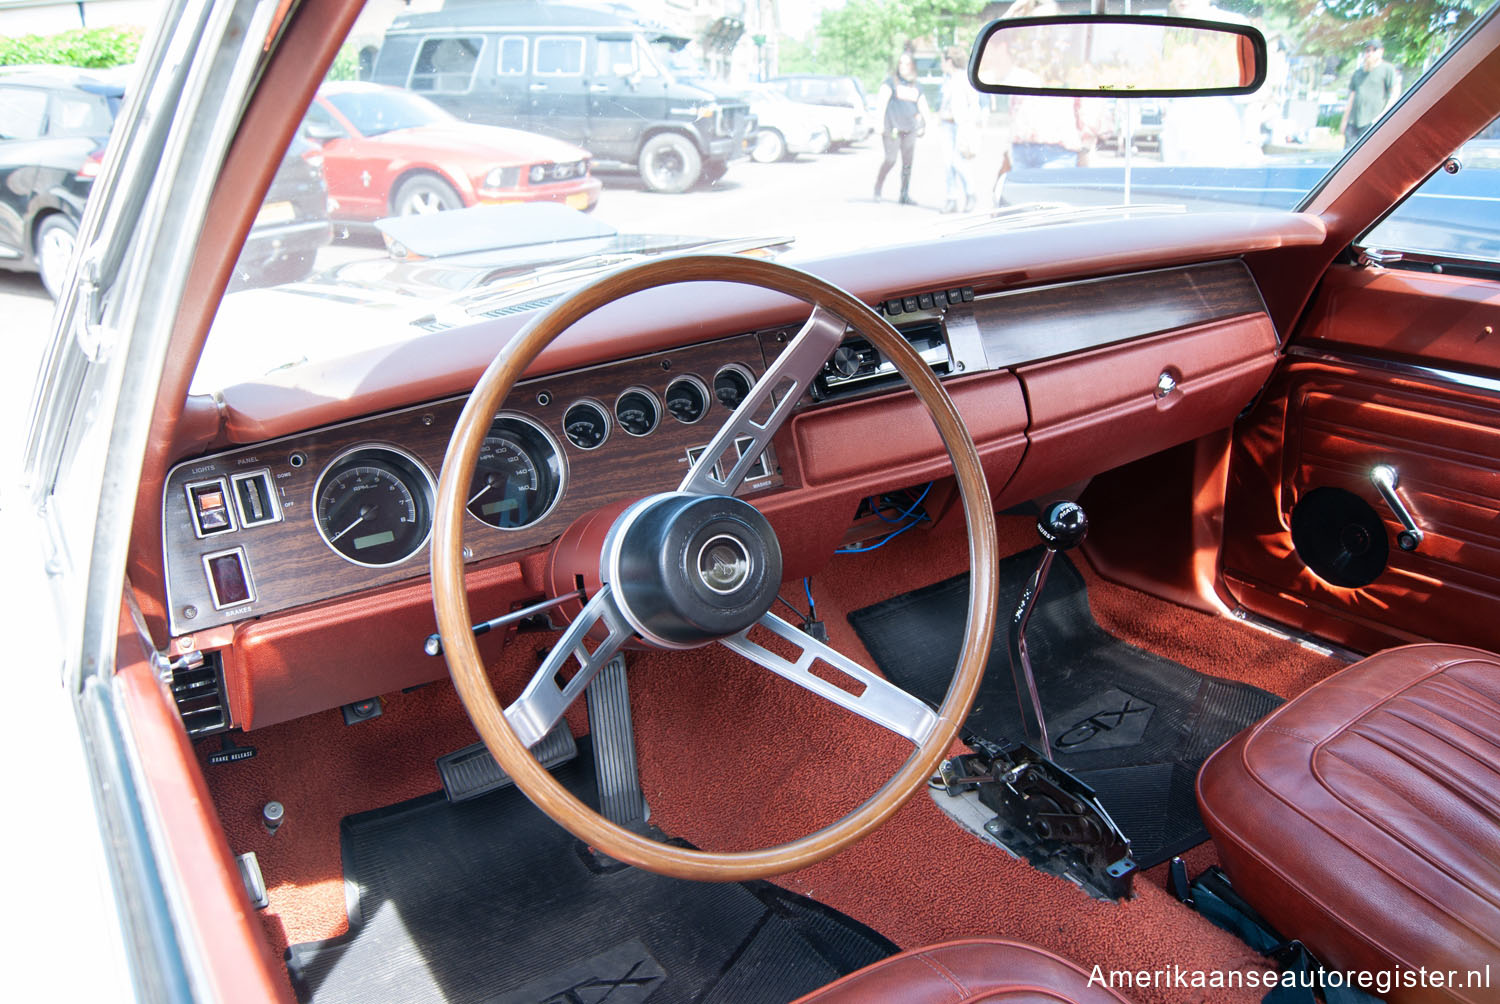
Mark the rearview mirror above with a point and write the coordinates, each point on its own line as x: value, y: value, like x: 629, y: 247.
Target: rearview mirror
x: 1117, y: 55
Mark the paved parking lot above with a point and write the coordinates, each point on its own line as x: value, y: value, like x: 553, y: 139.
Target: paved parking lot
x: 836, y: 189
x: 26, y: 310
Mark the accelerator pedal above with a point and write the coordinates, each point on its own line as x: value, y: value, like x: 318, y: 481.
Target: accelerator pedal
x: 613, y: 733
x: 472, y: 771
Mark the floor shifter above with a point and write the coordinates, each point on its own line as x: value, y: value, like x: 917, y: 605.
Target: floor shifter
x: 1042, y: 812
x: 1062, y: 527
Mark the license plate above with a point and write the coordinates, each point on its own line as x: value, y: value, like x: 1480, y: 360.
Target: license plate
x: 578, y: 200
x: 275, y: 212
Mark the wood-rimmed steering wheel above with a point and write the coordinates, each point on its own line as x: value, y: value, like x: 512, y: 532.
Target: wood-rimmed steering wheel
x: 698, y: 566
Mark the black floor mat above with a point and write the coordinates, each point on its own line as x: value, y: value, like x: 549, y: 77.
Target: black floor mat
x: 1133, y: 725
x: 491, y: 901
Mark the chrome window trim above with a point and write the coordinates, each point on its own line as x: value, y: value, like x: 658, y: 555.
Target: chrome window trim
x: 1471, y: 381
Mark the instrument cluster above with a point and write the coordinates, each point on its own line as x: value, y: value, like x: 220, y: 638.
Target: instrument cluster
x: 293, y: 521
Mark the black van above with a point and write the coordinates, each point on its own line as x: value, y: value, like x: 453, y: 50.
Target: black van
x: 581, y: 74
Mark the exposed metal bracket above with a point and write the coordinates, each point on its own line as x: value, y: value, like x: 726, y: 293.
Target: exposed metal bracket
x: 1385, y: 478
x: 1377, y: 258
x: 1043, y: 814
x: 167, y: 668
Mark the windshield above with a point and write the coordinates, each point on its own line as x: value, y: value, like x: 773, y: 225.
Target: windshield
x: 676, y: 159
x: 373, y: 113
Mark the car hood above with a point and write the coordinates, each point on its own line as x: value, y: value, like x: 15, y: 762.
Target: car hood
x: 492, y: 145
x: 264, y: 331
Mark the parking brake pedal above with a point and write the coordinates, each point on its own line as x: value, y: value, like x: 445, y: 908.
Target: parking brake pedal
x: 472, y: 771
x: 613, y: 734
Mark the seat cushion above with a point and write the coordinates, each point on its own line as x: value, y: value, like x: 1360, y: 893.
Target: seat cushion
x: 1363, y: 817
x: 960, y: 972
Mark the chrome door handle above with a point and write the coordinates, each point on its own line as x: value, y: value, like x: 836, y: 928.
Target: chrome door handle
x: 538, y: 87
x: 1385, y: 479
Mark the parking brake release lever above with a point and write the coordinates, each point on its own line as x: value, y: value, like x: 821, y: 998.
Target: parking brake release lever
x: 1061, y: 526
x: 1385, y: 479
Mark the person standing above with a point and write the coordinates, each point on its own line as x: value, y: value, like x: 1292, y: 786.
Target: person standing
x: 1372, y: 89
x: 902, y: 109
x: 960, y: 115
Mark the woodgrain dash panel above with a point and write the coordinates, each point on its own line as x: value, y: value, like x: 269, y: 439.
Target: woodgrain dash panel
x: 1031, y: 325
x: 288, y: 561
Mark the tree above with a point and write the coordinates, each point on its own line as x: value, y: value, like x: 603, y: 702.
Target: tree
x: 1414, y: 32
x: 91, y: 48
x: 863, y: 37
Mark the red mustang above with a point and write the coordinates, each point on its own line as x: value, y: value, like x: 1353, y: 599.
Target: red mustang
x: 388, y: 152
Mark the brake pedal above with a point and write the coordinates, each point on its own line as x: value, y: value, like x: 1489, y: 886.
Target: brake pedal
x: 472, y: 771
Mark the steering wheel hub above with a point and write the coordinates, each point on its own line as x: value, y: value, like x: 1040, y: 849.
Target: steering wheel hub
x: 690, y: 569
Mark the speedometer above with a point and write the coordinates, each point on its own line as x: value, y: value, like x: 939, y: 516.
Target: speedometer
x: 518, y: 475
x: 373, y: 505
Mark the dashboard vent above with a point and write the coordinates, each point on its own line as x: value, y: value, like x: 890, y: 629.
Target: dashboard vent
x: 516, y: 308
x: 857, y: 366
x: 199, y: 694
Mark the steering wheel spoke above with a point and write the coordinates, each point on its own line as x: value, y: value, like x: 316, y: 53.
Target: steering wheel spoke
x: 784, y: 382
x: 544, y: 701
x: 862, y: 692
x: 712, y: 584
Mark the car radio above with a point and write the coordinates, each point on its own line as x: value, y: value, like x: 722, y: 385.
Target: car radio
x: 857, y: 365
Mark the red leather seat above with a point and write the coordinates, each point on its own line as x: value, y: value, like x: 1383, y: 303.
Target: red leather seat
x: 961, y: 972
x: 1364, y: 817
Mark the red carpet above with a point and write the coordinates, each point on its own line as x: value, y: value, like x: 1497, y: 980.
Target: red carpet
x: 732, y: 756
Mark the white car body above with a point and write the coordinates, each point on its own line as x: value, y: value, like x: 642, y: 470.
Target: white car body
x: 845, y: 110
x: 798, y: 128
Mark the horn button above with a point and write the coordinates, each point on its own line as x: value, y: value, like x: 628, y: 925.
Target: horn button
x: 690, y: 569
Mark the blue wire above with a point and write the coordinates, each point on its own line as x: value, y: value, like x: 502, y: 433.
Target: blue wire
x: 812, y: 607
x: 894, y: 533
x: 880, y: 543
x: 905, y: 515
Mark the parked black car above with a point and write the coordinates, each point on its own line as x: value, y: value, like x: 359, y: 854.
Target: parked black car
x: 583, y: 74
x: 54, y: 124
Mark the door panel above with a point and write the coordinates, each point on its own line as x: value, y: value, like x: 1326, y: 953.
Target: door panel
x: 1364, y: 386
x: 1443, y: 321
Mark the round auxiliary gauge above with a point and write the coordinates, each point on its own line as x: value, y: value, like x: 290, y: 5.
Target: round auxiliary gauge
x: 518, y: 475
x: 637, y: 411
x: 732, y: 385
x: 687, y: 399
x: 586, y: 424
x: 373, y: 505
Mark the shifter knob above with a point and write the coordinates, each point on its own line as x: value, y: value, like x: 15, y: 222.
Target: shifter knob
x: 1062, y: 526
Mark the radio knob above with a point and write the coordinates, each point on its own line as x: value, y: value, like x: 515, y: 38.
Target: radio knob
x: 846, y: 360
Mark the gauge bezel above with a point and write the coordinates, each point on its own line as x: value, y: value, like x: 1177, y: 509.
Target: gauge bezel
x: 697, y: 381
x: 609, y: 422
x: 429, y: 486
x: 655, y: 404
x: 562, y: 469
x: 739, y: 368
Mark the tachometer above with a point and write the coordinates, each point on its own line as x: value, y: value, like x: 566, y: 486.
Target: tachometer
x: 373, y: 505
x: 518, y: 476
